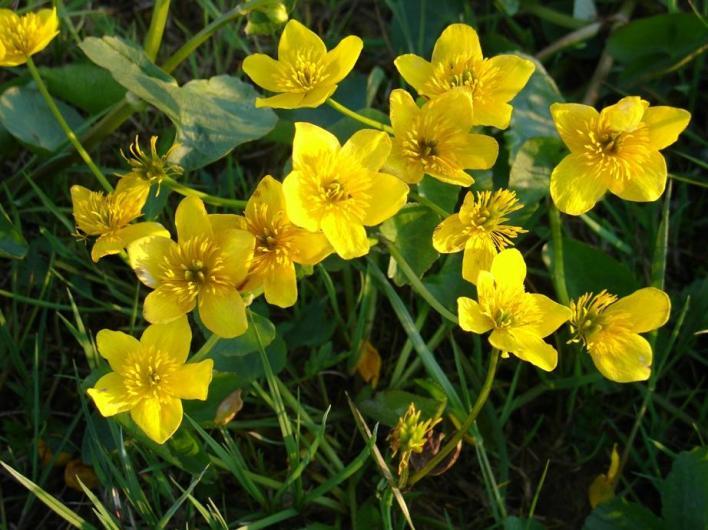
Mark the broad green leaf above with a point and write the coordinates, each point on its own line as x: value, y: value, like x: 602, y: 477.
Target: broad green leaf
x: 417, y: 24
x: 619, y: 514
x: 387, y: 406
x: 517, y: 523
x: 312, y: 326
x: 344, y: 128
x: 26, y: 116
x: 12, y: 243
x: 442, y: 194
x: 684, y: 493
x: 211, y: 116
x: 246, y: 343
x: 530, y: 174
x: 509, y: 7
x: 185, y: 448
x: 584, y: 9
x: 84, y: 85
x: 447, y: 284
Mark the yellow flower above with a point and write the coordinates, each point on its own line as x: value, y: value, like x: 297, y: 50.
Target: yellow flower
x: 150, y: 377
x: 518, y: 320
x: 339, y: 189
x: 435, y: 139
x: 610, y: 328
x: 25, y: 35
x: 279, y: 245
x: 206, y: 266
x: 457, y: 61
x: 108, y: 216
x: 410, y: 435
x: 479, y: 229
x: 602, y: 488
x: 616, y: 149
x: 149, y: 168
x: 305, y: 74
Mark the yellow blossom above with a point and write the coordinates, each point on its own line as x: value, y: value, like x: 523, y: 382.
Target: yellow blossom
x: 518, y: 320
x: 602, y: 488
x: 305, y: 74
x: 150, y: 377
x: 609, y: 327
x: 457, y: 61
x: 410, y: 436
x: 279, y: 245
x: 616, y: 149
x: 339, y: 189
x: 435, y: 139
x: 151, y: 167
x: 108, y: 216
x: 479, y: 229
x: 205, y: 267
x: 21, y: 36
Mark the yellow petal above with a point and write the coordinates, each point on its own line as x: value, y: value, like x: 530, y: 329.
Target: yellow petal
x: 237, y: 252
x: 406, y: 169
x: 309, y: 248
x: 163, y: 305
x: 290, y: 100
x: 479, y: 256
x: 486, y: 287
x: 453, y: 107
x: 115, y: 346
x: 553, y: 315
x: 190, y: 381
x: 471, y: 317
x: 146, y: 256
x: 346, y: 235
x: 501, y: 78
x: 646, y: 181
x: 158, y: 419
x: 106, y: 245
x: 173, y: 338
x: 509, y: 268
x: 526, y: 346
x: 388, y: 194
x: 648, y: 309
x: 223, y: 312
x: 341, y: 60
x: 48, y: 29
x: 136, y: 231
x: 449, y: 236
x: 268, y: 192
x: 403, y: 112
x: 367, y: 146
x: 415, y: 70
x: 298, y: 40
x: 457, y: 40
x: 317, y: 96
x: 622, y: 357
x: 221, y: 222
x: 625, y: 115
x: 310, y: 143
x: 479, y: 152
x: 665, y: 124
x: 574, y: 123
x: 264, y: 71
x: 298, y: 202
x: 110, y: 395
x: 576, y: 185
x: 369, y: 364
x: 191, y: 219
x: 457, y: 177
x: 280, y: 285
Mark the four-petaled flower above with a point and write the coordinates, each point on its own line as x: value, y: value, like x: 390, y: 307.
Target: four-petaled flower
x: 339, y: 189
x: 479, y: 229
x: 616, y: 149
x: 150, y: 377
x: 457, y: 61
x: 518, y: 320
x: 610, y: 328
x: 206, y: 266
x: 305, y: 74
x: 436, y: 139
x: 279, y: 245
x: 22, y: 36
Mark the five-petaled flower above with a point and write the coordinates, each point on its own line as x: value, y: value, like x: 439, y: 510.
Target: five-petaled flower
x: 22, y: 36
x: 108, y: 216
x: 479, y: 229
x: 279, y: 245
x: 305, y: 74
x: 206, y: 266
x: 457, y: 61
x: 616, y: 149
x: 610, y: 328
x: 436, y: 139
x: 150, y: 377
x: 339, y: 189
x: 518, y: 320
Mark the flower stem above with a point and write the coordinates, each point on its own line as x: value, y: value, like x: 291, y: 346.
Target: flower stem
x: 186, y: 191
x: 359, y: 117
x: 558, y: 263
x: 469, y: 420
x: 65, y: 126
x: 153, y: 38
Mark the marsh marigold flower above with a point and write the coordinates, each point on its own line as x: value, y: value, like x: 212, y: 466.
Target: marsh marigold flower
x: 147, y: 168
x: 518, y: 320
x: 305, y: 74
x: 150, y: 377
x: 205, y: 267
x: 108, y: 216
x: 479, y: 228
x: 279, y: 244
x: 435, y: 139
x: 410, y: 435
x: 339, y: 189
x: 457, y: 61
x: 22, y: 36
x: 609, y: 327
x: 616, y: 149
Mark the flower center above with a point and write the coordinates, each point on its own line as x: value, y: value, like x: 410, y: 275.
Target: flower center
x: 305, y: 73
x: 587, y: 315
x: 146, y: 373
x: 509, y: 307
x: 487, y: 214
x: 102, y: 214
x: 335, y: 192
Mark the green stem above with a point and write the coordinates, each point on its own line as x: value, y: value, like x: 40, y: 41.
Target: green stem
x: 430, y: 204
x: 65, y: 126
x: 359, y: 117
x: 469, y: 420
x: 157, y: 28
x: 186, y: 191
x: 205, y: 349
x: 553, y: 16
x: 558, y: 263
